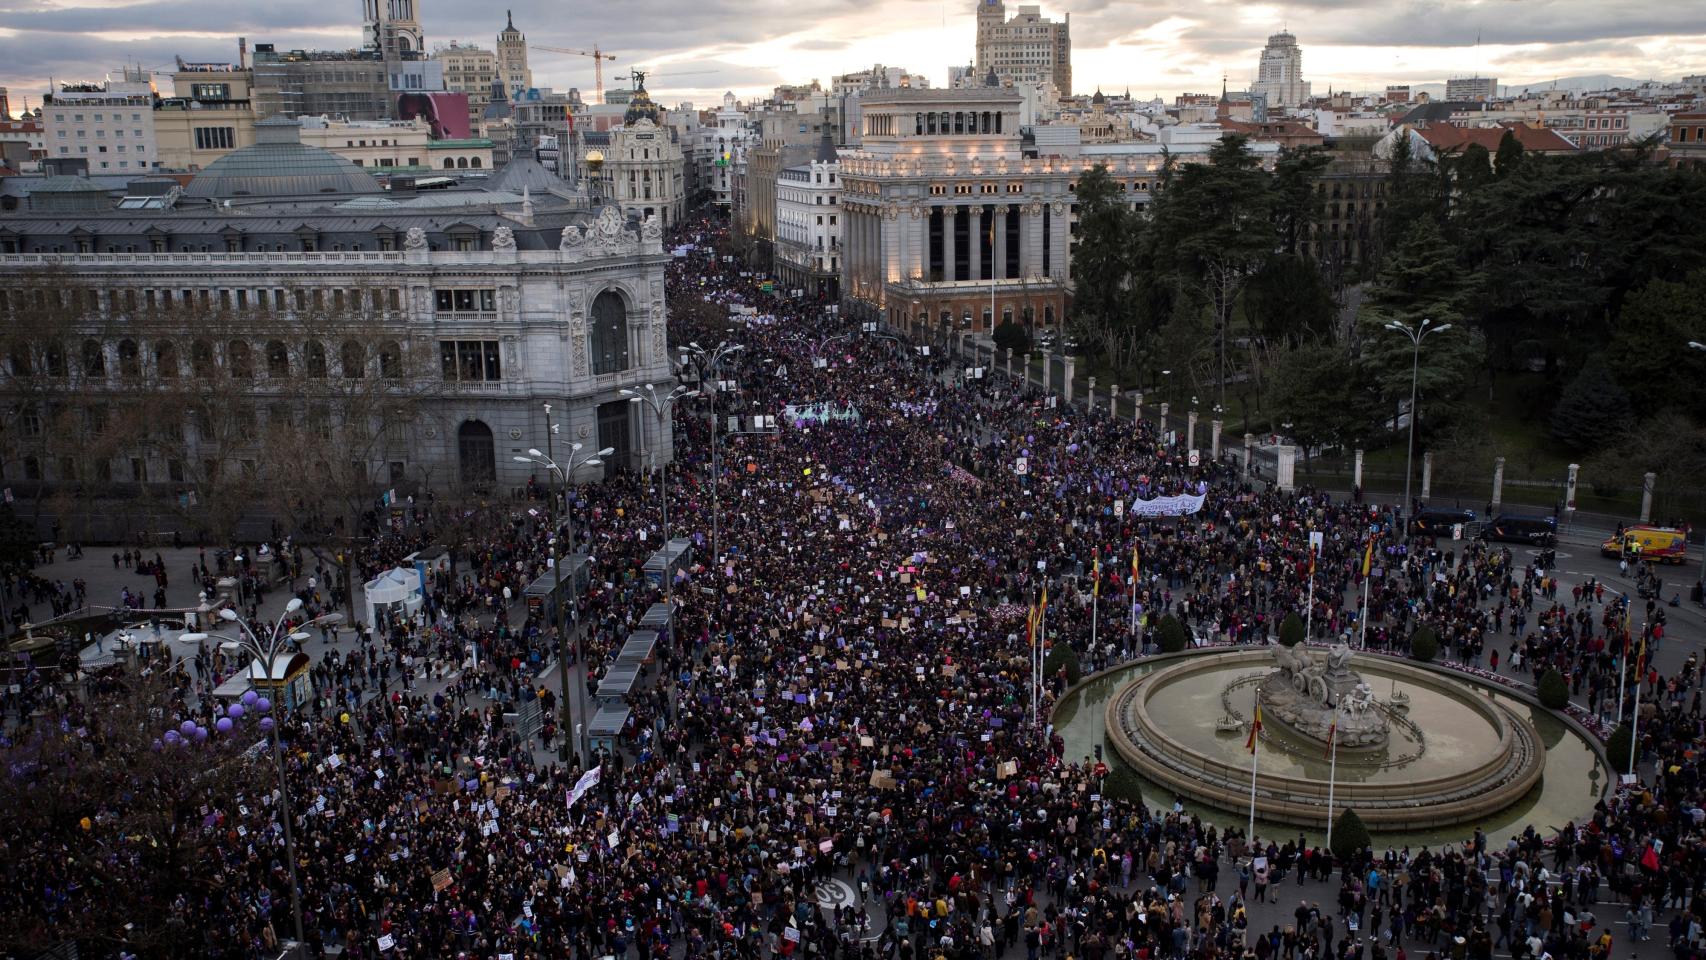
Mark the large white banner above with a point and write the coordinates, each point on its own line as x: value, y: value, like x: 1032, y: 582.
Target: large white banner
x: 587, y: 781
x: 1182, y: 505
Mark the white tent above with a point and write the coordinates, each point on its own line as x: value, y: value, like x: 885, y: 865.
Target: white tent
x: 396, y: 592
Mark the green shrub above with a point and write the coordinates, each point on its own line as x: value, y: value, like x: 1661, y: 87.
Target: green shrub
x: 1350, y: 837
x: 1554, y: 692
x: 1424, y: 644
x: 1062, y: 655
x: 1617, y: 749
x: 1122, y: 784
x: 1291, y: 630
x: 1011, y: 336
x: 1173, y: 635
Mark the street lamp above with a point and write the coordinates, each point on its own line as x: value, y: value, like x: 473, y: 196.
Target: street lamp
x: 561, y: 475
x: 660, y: 407
x: 708, y: 361
x: 1696, y: 345
x: 1417, y: 334
x: 815, y: 346
x: 266, y: 650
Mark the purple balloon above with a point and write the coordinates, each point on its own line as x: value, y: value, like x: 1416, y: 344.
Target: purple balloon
x: 235, y: 711
x: 266, y: 724
x: 157, y: 745
x: 249, y: 697
x: 224, y: 725
x: 187, y: 727
x: 172, y: 736
x: 262, y: 705
x: 200, y: 733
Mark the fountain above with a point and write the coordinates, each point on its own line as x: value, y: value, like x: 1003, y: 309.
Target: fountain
x: 1446, y: 754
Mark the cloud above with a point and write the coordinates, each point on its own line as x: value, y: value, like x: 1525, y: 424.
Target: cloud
x: 1158, y: 46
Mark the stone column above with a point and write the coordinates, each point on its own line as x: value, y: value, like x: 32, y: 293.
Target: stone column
x: 1066, y: 367
x: 998, y: 256
x: 1137, y: 407
x: 1427, y: 474
x: 1113, y: 400
x: 1191, y: 430
x: 1060, y: 238
x: 948, y: 220
x: 1027, y: 370
x: 1161, y: 423
x: 1009, y: 363
x: 1356, y: 476
x: 1031, y: 252
x: 1090, y: 397
x: 974, y: 237
x: 1249, y: 452
x: 1048, y: 374
x: 1647, y: 481
x: 1498, y: 484
x: 1286, y: 476
x: 1214, y: 438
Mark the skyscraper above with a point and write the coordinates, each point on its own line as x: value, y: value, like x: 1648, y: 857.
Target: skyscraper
x: 1279, y: 75
x: 512, y: 57
x: 1026, y: 49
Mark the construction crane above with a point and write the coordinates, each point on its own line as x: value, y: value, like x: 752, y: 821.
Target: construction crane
x: 598, y: 57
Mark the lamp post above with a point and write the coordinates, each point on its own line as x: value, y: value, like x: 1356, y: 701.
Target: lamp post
x: 561, y: 475
x: 1697, y: 345
x: 1417, y: 334
x: 660, y: 407
x: 266, y: 650
x: 708, y: 361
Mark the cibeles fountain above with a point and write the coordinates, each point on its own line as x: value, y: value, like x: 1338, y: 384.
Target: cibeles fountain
x: 1413, y: 747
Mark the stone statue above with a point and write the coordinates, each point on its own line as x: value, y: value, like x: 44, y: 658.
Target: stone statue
x: 1360, y: 700
x: 651, y: 229
x: 1292, y: 660
x: 1338, y: 657
x: 503, y: 238
x: 415, y: 239
x: 572, y: 239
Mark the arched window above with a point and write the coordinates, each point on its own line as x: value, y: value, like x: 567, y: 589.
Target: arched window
x: 609, y: 333
x: 462, y: 162
x: 94, y: 359
x: 354, y: 360
x: 240, y: 359
x: 316, y: 359
x: 449, y: 163
x: 278, y: 360
x: 474, y: 162
x: 201, y: 359
x: 390, y: 360
x: 129, y: 359
x: 53, y: 357
x: 166, y: 359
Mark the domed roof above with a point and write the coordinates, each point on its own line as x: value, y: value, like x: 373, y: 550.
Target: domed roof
x: 641, y: 107
x: 280, y: 165
x: 1098, y: 98
x: 523, y: 171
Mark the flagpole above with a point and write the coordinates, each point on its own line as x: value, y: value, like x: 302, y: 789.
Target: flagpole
x: 1622, y: 669
x: 1095, y: 607
x: 1309, y: 614
x: 1362, y: 637
x: 1635, y: 725
x: 1255, y: 750
x: 1332, y: 773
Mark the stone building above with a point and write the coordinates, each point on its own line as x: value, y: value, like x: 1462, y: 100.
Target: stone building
x: 948, y: 225
x: 1279, y: 74
x: 109, y: 124
x: 1028, y: 49
x: 512, y: 66
x: 469, y: 69
x: 280, y: 276
x: 808, y: 223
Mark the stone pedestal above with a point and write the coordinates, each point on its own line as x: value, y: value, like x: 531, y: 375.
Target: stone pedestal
x: 1066, y: 365
x: 1357, y: 479
x: 1191, y: 430
x: 1113, y: 400
x: 1427, y: 475
x: 1647, y: 482
x: 1137, y: 403
x: 1498, y: 484
x: 1286, y: 474
x: 1089, y: 396
x: 1214, y: 439
x: 1249, y: 453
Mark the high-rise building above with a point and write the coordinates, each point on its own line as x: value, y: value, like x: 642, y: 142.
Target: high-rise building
x: 1026, y: 49
x: 469, y: 69
x: 1279, y: 75
x: 391, y: 27
x: 109, y: 124
x: 512, y: 57
x: 1471, y: 89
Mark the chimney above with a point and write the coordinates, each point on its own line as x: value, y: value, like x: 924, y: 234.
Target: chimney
x: 242, y: 53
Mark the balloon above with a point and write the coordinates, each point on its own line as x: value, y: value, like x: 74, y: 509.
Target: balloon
x: 235, y: 711
x: 266, y: 724
x: 249, y: 697
x: 172, y: 736
x: 86, y: 824
x: 187, y: 727
x: 224, y: 725
x: 343, y: 718
x: 200, y: 733
x: 157, y: 745
x: 262, y: 705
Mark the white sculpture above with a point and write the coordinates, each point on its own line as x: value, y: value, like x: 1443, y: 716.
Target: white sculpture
x: 572, y: 239
x: 415, y: 239
x: 503, y: 238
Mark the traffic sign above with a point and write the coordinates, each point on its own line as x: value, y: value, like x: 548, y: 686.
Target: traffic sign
x: 1196, y: 458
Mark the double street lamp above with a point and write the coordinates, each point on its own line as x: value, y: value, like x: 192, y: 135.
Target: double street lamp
x: 266, y: 650
x: 709, y: 361
x: 660, y: 407
x: 562, y: 474
x: 1417, y: 334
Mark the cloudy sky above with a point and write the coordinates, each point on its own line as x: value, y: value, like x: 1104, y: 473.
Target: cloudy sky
x: 701, y: 47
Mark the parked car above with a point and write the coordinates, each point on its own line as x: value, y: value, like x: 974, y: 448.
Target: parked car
x: 1518, y: 528
x: 1440, y: 522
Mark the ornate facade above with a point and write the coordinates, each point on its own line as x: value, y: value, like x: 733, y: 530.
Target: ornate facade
x: 947, y: 226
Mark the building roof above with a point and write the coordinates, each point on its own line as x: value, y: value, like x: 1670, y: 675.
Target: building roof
x: 1449, y: 136
x: 278, y: 164
x: 524, y: 171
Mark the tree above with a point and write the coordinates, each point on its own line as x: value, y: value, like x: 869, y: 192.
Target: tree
x: 1647, y: 353
x: 1618, y: 749
x: 1350, y: 836
x: 1424, y: 644
x: 1062, y: 657
x: 1319, y: 393
x: 1593, y: 412
x: 1296, y: 205
x: 1288, y: 300
x: 1669, y: 445
x: 1173, y: 635
x: 1009, y: 335
x: 1103, y: 259
x: 1554, y: 693
x: 1291, y: 630
x: 1122, y: 784
x: 1509, y: 158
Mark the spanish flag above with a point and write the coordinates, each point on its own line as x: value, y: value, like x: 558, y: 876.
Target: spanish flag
x: 1368, y: 558
x: 1332, y: 729
x: 1134, y: 568
x: 1255, y: 730
x: 1031, y: 625
x: 1096, y: 573
x: 1042, y: 607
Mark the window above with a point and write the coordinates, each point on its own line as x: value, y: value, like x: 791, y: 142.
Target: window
x: 129, y: 359
x: 240, y: 359
x: 94, y: 359
x: 391, y: 360
x: 466, y: 301
x: 609, y: 333
x: 215, y: 138
x: 470, y: 361
x: 316, y: 359
x: 166, y: 359
x: 29, y: 422
x: 278, y: 360
x: 353, y: 357
x: 210, y: 91
x: 201, y: 359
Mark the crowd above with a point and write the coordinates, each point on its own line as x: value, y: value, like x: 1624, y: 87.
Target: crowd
x: 845, y: 695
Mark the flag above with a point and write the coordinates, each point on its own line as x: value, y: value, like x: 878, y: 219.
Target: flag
x: 1031, y: 626
x: 1255, y: 730
x: 1096, y: 574
x: 1042, y: 607
x: 1332, y: 729
x: 1641, y: 658
x: 1134, y: 568
x: 1368, y: 558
